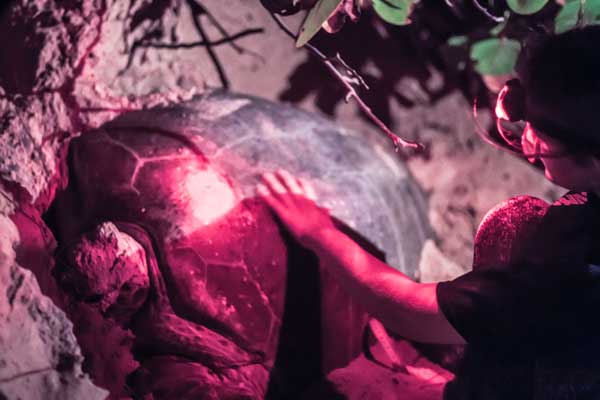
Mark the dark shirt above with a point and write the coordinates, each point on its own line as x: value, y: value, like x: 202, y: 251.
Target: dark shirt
x: 532, y: 326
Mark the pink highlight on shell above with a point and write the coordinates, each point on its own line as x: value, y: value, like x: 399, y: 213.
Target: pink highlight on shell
x: 208, y: 209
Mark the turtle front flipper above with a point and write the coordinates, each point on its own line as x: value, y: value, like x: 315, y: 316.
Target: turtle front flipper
x: 159, y: 331
x: 177, y: 378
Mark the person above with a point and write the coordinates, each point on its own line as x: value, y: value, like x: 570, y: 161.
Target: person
x: 529, y: 320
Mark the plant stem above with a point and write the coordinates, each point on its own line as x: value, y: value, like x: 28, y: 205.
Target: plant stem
x: 350, y: 79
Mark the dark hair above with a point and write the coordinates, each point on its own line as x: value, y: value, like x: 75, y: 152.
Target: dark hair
x: 560, y: 76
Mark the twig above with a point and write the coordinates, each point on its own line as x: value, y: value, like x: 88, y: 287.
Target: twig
x: 358, y: 80
x: 228, y: 39
x: 146, y: 43
x: 487, y: 13
x: 386, y: 344
x: 197, y: 12
x: 351, y: 79
x: 213, y: 20
x: 239, y: 49
x: 454, y: 9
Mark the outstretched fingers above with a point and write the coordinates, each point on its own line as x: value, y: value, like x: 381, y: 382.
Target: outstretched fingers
x: 290, y: 182
x: 292, y: 200
x: 273, y: 184
x: 277, y: 187
x: 308, y: 189
x: 271, y: 199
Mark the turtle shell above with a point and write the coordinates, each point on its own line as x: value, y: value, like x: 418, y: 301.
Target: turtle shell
x: 187, y: 174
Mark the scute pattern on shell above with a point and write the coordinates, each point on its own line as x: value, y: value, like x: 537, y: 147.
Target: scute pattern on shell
x: 256, y: 135
x: 228, y: 290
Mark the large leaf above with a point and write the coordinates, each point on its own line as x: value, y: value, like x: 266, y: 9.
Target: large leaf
x: 568, y: 17
x: 577, y: 13
x: 315, y: 18
x: 495, y: 56
x: 396, y: 12
x: 526, y: 7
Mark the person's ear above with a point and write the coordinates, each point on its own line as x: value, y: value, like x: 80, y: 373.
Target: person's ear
x: 510, y: 103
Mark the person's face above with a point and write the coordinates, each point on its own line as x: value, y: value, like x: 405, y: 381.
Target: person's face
x: 583, y: 175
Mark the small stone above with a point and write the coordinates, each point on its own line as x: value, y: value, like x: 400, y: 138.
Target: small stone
x: 40, y: 355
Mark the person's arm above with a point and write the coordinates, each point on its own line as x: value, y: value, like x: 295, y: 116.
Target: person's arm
x: 408, y: 308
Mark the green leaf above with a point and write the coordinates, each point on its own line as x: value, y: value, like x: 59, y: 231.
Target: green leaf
x: 526, y: 7
x: 495, y: 56
x: 568, y: 16
x: 591, y: 12
x: 495, y: 31
x: 572, y: 15
x: 315, y: 18
x: 457, y: 40
x: 395, y: 12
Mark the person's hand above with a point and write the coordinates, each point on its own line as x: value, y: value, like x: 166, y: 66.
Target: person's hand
x: 293, y: 201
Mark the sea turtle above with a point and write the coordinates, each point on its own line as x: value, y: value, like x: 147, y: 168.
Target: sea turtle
x: 236, y: 309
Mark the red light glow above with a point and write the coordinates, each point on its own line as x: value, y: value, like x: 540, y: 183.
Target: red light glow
x: 211, y: 196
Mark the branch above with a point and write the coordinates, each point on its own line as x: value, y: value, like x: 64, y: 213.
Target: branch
x: 144, y: 42
x: 228, y: 39
x: 221, y: 29
x: 215, y: 22
x: 455, y: 10
x: 487, y: 13
x: 197, y: 11
x: 351, y: 79
x: 149, y: 40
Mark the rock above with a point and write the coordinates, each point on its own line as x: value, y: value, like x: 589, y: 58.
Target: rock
x: 434, y: 266
x: 37, y: 112
x: 35, y: 250
x: 46, y: 47
x: 371, y: 378
x: 125, y: 72
x: 106, y: 347
x: 45, y: 92
x: 32, y: 146
x: 54, y: 40
x: 39, y: 356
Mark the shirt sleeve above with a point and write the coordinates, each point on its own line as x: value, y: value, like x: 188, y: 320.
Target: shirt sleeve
x: 541, y: 293
x: 504, y: 303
